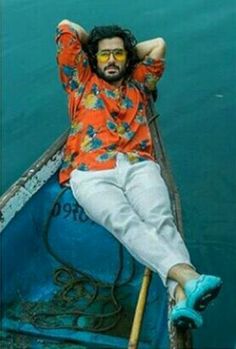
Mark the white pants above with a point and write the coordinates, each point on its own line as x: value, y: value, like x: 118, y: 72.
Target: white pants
x: 132, y: 202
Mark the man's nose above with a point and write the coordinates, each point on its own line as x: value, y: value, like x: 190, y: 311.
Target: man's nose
x: 111, y: 58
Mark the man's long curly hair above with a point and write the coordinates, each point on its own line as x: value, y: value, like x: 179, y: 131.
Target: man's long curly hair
x: 108, y: 32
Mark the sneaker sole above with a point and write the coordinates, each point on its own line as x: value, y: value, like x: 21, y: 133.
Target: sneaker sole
x: 184, y: 323
x: 204, y: 300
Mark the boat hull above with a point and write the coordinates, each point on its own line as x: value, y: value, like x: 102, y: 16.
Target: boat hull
x: 53, y: 231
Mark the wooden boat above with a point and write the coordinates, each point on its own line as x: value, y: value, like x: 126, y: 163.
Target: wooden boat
x: 66, y: 282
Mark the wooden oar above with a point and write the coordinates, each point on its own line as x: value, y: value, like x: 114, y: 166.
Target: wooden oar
x: 139, y: 311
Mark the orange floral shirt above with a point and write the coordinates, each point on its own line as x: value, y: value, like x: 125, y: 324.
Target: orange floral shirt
x: 105, y: 119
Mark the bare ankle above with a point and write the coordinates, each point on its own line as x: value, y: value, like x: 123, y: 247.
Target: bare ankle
x: 182, y: 273
x: 179, y: 294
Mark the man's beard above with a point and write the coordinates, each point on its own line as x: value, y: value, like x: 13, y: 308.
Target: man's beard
x: 112, y: 78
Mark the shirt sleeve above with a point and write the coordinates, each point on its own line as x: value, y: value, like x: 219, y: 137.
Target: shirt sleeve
x: 73, y: 63
x: 148, y: 72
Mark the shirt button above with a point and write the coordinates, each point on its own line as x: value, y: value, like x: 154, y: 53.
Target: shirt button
x: 114, y: 114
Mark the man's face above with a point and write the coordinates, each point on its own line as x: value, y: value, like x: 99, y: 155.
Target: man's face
x: 111, y: 59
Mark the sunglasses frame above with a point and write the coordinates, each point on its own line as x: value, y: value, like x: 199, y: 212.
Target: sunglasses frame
x: 113, y: 52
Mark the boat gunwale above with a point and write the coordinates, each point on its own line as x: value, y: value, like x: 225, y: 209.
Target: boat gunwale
x: 31, y: 181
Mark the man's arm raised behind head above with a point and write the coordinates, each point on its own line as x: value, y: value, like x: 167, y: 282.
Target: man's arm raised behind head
x: 83, y: 35
x: 154, y: 48
x: 150, y: 69
x: 73, y: 64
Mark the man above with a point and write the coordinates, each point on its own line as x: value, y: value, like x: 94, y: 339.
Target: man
x: 108, y: 158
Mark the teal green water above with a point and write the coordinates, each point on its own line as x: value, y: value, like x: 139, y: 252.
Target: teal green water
x: 197, y: 107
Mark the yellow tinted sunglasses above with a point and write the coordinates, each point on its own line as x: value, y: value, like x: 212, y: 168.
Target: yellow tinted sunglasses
x: 104, y: 55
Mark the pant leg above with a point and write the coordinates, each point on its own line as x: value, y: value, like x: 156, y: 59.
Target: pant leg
x: 148, y: 195
x: 104, y: 201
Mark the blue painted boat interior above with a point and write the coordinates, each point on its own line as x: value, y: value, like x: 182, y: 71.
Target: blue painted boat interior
x: 52, y: 232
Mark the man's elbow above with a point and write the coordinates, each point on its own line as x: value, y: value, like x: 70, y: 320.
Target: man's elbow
x: 64, y: 21
x: 159, y: 49
x: 160, y: 41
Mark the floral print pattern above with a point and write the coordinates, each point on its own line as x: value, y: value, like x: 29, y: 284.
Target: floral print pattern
x: 105, y: 120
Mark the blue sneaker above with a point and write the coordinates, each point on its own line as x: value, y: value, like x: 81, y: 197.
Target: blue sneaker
x: 201, y: 291
x: 184, y: 317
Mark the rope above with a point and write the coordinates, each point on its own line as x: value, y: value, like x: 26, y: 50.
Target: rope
x: 79, y: 293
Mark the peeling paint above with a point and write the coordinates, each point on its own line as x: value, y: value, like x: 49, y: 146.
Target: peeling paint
x: 28, y: 189
x: 31, y: 181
